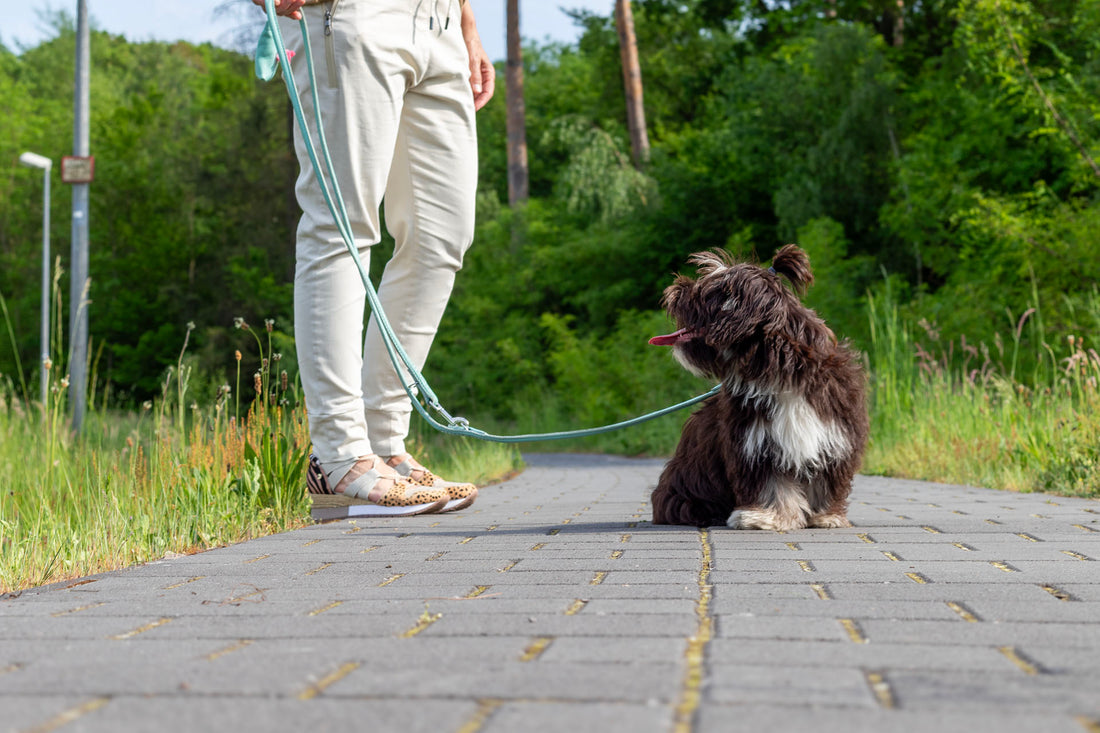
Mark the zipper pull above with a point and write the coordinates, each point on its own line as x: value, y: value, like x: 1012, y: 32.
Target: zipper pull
x: 328, y: 22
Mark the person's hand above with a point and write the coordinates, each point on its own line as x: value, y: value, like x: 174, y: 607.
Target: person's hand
x: 289, y: 8
x: 482, y: 72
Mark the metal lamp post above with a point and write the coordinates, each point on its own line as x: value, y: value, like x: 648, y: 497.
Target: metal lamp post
x: 38, y: 161
x: 78, y: 286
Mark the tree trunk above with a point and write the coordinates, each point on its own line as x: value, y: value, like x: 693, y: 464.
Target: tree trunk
x: 632, y: 83
x: 899, y: 25
x: 517, y: 113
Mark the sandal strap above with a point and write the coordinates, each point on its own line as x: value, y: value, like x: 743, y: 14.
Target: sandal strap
x: 362, y: 484
x: 406, y: 467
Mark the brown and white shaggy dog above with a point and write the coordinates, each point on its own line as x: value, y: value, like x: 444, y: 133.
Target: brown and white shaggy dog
x: 778, y: 447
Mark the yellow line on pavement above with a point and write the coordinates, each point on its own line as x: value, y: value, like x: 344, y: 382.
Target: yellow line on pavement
x: 691, y: 691
x: 178, y: 585
x: 322, y: 609
x: 881, y: 689
x: 70, y: 715
x: 426, y: 619
x: 328, y: 680
x: 228, y: 650
x: 854, y: 632
x: 390, y: 579
x: 535, y: 649
x: 1014, y: 657
x: 141, y: 629
x: 1091, y: 725
x: 1058, y: 593
x: 477, y: 721
x: 78, y: 610
x: 961, y: 610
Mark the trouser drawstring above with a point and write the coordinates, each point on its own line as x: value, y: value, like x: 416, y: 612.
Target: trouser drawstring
x: 435, y: 14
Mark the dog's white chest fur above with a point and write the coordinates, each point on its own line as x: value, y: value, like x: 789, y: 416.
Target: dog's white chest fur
x: 800, y: 438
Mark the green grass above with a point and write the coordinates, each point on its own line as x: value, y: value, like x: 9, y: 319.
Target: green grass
x: 176, y: 477
x: 961, y: 413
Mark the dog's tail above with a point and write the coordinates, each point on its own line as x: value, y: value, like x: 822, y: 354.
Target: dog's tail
x: 794, y: 264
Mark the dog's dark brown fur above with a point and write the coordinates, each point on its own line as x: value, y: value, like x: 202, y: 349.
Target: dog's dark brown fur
x: 779, y: 446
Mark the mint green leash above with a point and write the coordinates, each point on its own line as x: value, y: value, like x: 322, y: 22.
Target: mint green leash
x: 269, y: 52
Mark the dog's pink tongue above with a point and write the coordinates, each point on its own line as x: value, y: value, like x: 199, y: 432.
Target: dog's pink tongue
x: 669, y: 339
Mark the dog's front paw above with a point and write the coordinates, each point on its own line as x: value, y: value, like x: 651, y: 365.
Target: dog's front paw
x: 829, y: 521
x: 752, y: 519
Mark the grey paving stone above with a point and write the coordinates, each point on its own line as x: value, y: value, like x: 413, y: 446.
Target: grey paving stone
x: 825, y: 719
x: 748, y: 683
x: 554, y: 604
x: 553, y: 717
x: 587, y: 682
x: 846, y: 654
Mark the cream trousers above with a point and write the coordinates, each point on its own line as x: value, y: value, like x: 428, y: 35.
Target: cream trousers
x: 393, y: 82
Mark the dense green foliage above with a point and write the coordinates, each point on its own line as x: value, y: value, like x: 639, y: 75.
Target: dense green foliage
x: 947, y: 155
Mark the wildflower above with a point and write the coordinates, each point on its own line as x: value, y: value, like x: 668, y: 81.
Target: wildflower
x: 147, y: 405
x: 237, y: 355
x: 65, y: 382
x: 284, y: 380
x: 276, y: 357
x: 269, y: 324
x: 258, y: 382
x: 190, y: 325
x: 47, y: 363
x: 263, y: 363
x: 240, y: 324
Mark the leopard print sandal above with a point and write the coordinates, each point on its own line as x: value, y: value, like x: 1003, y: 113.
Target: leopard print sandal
x: 461, y: 495
x: 404, y: 499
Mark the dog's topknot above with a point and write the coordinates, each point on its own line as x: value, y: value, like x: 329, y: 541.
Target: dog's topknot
x: 711, y: 261
x: 794, y: 264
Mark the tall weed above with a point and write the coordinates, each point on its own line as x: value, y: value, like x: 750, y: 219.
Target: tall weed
x: 960, y: 412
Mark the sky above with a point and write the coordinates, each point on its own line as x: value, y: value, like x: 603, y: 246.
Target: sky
x: 197, y: 21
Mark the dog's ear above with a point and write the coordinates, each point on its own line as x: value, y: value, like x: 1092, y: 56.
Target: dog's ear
x: 794, y: 264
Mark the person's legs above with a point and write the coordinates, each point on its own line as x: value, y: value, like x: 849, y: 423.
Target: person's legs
x: 362, y: 74
x: 429, y: 204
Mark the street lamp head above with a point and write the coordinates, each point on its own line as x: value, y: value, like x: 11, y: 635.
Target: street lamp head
x: 34, y: 160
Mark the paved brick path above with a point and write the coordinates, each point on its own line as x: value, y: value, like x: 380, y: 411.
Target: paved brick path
x: 552, y: 605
